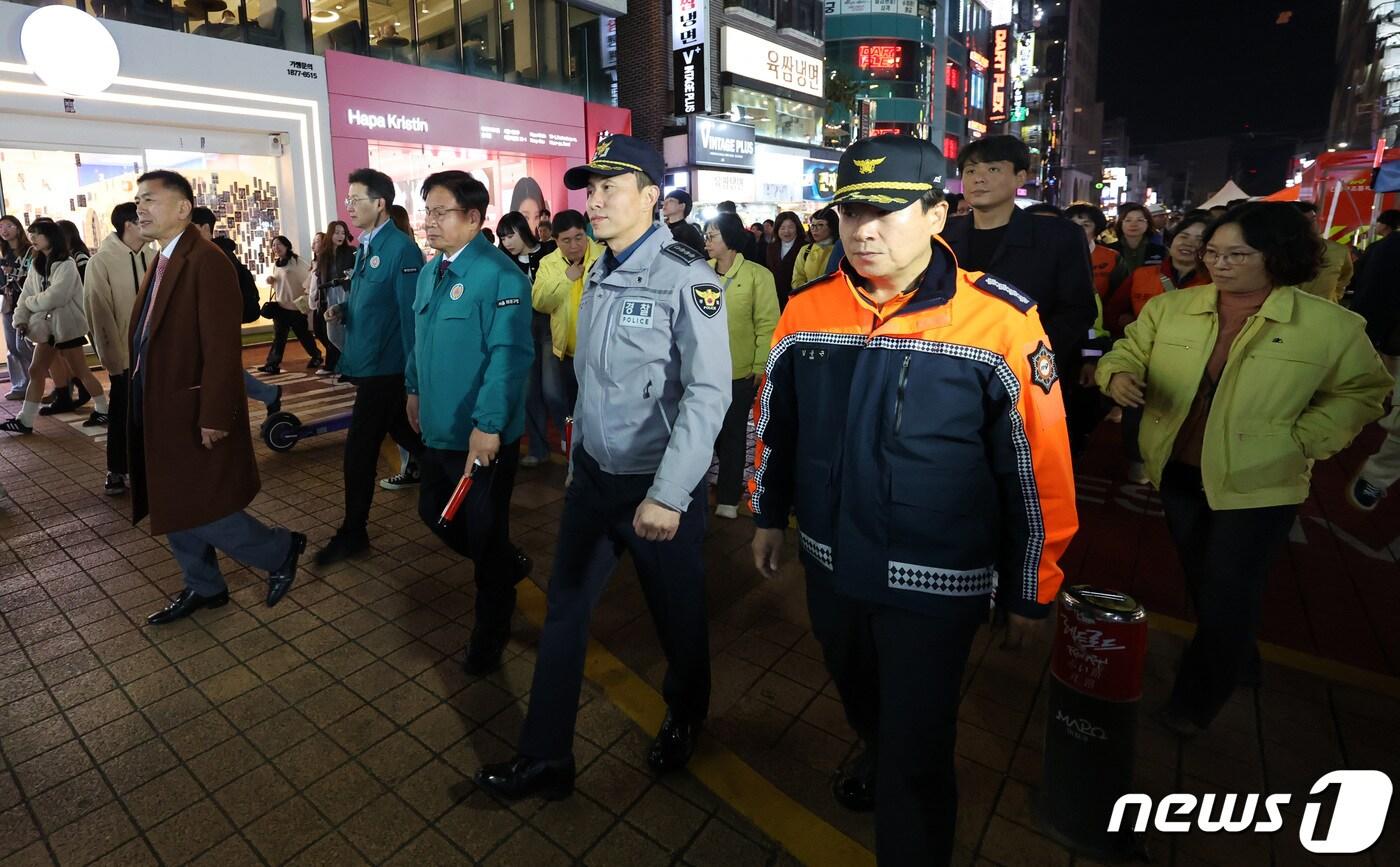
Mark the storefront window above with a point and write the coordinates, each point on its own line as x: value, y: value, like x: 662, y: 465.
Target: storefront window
x: 335, y: 26
x: 552, y: 39
x: 757, y: 7
x: 391, y: 31
x: 593, y: 56
x: 438, y: 45
x: 64, y: 185
x: 882, y: 68
x: 804, y: 16
x: 773, y: 116
x: 481, y: 38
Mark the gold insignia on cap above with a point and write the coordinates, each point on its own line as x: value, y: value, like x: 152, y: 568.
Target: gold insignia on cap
x: 878, y: 198
x: 603, y: 147
x: 867, y: 167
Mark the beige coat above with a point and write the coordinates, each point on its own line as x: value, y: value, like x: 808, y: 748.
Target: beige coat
x: 113, y: 279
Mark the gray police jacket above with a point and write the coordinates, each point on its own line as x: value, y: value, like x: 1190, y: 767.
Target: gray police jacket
x: 653, y: 367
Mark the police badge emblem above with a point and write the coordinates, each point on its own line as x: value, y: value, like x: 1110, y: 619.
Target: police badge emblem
x: 374, y: 261
x: 1043, y: 370
x: 707, y: 298
x: 456, y: 292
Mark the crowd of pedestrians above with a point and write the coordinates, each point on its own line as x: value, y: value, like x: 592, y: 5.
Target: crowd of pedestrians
x: 919, y: 373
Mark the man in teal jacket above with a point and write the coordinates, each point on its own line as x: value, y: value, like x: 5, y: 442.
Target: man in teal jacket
x: 466, y: 395
x: 378, y: 340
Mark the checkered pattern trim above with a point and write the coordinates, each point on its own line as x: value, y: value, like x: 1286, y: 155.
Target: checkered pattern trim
x: 940, y: 581
x: 773, y: 357
x: 819, y: 552
x: 1025, y: 469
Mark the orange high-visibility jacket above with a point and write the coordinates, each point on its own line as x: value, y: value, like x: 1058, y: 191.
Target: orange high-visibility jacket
x: 922, y: 443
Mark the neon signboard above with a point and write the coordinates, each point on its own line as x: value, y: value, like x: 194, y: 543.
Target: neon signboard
x: 880, y: 58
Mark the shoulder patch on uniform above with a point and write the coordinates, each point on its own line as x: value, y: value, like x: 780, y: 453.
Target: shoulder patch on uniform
x: 682, y: 253
x: 508, y: 302
x: 1043, y: 370
x: 707, y: 297
x: 1005, y: 291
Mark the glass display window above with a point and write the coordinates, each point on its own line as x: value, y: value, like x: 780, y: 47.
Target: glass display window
x: 774, y: 116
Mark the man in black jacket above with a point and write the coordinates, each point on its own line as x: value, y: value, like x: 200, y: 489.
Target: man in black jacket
x: 1377, y: 298
x: 675, y: 210
x: 1044, y: 257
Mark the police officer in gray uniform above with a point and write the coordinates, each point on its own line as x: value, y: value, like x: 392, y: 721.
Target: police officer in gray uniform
x: 653, y: 369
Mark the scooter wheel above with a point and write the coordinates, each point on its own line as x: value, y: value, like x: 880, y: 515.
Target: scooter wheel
x: 281, y: 431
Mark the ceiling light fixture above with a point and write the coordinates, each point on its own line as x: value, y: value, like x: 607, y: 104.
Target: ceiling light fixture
x: 325, y: 16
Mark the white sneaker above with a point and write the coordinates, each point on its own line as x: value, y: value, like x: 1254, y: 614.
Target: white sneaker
x: 730, y: 512
x: 1137, y: 473
x: 531, y: 461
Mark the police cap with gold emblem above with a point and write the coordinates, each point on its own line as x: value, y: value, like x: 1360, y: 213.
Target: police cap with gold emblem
x: 889, y: 172
x: 618, y: 155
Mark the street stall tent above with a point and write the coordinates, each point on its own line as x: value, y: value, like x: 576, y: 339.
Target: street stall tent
x: 1225, y: 195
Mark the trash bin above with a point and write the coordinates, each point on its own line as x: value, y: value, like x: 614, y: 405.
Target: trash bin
x: 1096, y: 664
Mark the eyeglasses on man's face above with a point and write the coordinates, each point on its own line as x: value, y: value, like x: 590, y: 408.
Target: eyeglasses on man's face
x: 437, y: 215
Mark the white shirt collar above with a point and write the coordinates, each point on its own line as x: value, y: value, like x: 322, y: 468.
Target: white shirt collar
x: 454, y: 256
x: 369, y: 235
x: 170, y: 248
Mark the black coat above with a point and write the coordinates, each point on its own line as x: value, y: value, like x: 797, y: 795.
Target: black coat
x: 1377, y: 297
x: 686, y: 232
x: 1047, y: 258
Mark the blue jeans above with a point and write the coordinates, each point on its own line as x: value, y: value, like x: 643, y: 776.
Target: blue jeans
x: 258, y: 390
x: 545, y: 401
x: 19, y: 353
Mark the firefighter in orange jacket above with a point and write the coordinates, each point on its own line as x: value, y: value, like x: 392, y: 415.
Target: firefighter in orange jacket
x: 912, y: 418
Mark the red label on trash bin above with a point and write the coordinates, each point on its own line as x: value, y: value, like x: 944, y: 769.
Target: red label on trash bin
x: 1099, y: 656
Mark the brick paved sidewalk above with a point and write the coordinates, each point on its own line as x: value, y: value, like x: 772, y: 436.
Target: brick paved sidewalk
x: 339, y: 728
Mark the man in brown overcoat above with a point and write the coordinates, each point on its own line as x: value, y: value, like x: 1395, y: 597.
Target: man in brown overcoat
x: 192, y: 464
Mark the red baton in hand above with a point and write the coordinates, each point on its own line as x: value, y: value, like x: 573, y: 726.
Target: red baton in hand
x: 449, y: 512
x: 568, y: 437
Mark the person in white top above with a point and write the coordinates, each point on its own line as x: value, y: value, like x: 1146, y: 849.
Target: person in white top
x: 288, y: 282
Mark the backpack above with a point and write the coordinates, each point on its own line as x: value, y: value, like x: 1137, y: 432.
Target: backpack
x: 249, y: 286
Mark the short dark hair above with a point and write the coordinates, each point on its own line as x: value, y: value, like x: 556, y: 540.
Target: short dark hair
x: 225, y: 243
x: 1044, y: 208
x: 172, y: 181
x: 1186, y: 222
x: 379, y: 185
x: 122, y: 214
x: 1389, y: 217
x: 931, y: 198
x: 202, y: 216
x: 58, y: 243
x: 1095, y: 215
x: 515, y: 223
x: 727, y: 207
x: 767, y: 223
x: 953, y: 200
x: 569, y: 219
x: 996, y: 149
x: 470, y: 194
x: 731, y: 230
x: 1292, y: 247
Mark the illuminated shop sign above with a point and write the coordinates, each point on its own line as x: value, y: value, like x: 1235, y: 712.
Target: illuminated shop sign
x: 997, y: 81
x: 880, y: 58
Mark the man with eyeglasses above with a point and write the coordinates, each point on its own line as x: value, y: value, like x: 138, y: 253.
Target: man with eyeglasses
x: 378, y: 342
x: 466, y: 379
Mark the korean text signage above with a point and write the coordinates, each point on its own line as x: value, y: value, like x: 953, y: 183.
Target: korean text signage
x: 997, y: 81
x: 715, y: 142
x: 753, y: 57
x: 690, y: 25
x: 819, y: 180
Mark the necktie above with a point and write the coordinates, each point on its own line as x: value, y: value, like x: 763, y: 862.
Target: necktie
x: 364, y: 257
x: 442, y: 267
x: 150, y: 309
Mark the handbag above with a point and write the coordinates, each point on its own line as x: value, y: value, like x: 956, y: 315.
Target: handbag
x: 39, y: 330
x: 269, y: 309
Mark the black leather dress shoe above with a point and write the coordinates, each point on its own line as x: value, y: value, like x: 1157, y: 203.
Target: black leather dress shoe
x: 279, y: 582
x: 187, y: 603
x: 484, y: 653
x: 523, y: 565
x: 854, y: 786
x: 524, y: 777
x: 674, y: 745
x: 341, y: 546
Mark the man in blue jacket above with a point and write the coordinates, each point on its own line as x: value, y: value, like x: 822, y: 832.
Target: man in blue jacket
x: 466, y: 395
x: 378, y: 340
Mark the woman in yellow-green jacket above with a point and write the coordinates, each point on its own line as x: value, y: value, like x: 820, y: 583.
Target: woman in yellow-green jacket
x: 751, y: 299
x: 812, y: 259
x: 1244, y: 383
x: 557, y: 291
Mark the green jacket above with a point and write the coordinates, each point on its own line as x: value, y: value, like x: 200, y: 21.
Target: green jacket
x: 473, y: 348
x: 751, y: 298
x: 1300, y: 382
x: 378, y: 313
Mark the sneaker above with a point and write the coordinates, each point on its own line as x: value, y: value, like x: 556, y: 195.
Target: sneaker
x: 325, y: 371
x: 399, y: 482
x: 276, y: 405
x: 269, y: 368
x: 730, y: 512
x: 14, y: 425
x: 116, y: 485
x: 531, y: 461
x: 1137, y: 473
x: 96, y: 419
x: 1364, y: 495
x: 315, y: 363
x: 15, y: 394
x: 62, y: 403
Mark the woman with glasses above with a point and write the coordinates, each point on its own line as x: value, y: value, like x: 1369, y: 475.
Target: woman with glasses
x: 751, y: 302
x: 812, y: 259
x: 1244, y: 382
